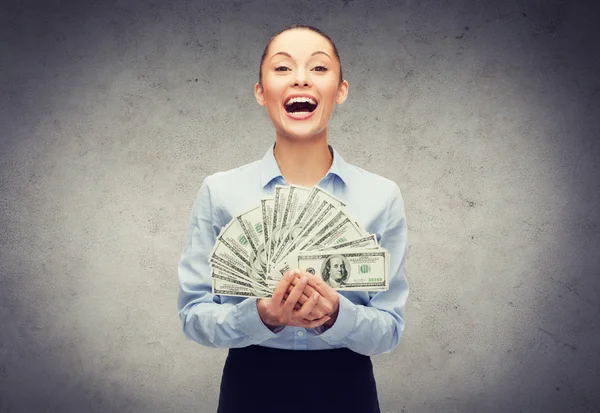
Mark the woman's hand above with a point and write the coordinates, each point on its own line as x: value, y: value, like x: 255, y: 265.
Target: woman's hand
x: 329, y: 300
x: 276, y: 311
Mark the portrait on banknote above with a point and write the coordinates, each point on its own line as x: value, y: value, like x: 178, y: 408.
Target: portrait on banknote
x: 335, y: 271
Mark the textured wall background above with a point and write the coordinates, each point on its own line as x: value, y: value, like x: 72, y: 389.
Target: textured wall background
x: 485, y: 113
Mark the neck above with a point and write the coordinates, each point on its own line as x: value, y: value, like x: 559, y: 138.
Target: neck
x: 303, y: 163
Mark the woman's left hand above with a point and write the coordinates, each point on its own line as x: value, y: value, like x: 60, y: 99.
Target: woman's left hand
x: 329, y: 301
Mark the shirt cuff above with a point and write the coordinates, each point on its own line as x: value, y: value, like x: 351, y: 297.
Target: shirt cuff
x: 344, y: 324
x: 250, y: 323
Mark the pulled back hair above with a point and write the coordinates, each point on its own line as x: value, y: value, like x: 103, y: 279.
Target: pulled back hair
x: 298, y: 26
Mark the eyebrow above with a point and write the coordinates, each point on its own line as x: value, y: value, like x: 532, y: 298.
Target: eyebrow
x: 289, y: 55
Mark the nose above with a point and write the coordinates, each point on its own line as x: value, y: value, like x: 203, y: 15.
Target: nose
x: 300, y: 78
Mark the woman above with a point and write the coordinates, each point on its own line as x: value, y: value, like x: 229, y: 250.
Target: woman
x: 308, y: 347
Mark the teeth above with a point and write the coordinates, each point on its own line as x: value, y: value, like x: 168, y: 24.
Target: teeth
x: 299, y: 113
x: 300, y: 99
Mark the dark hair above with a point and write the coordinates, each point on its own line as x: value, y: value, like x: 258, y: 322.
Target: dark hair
x: 299, y: 26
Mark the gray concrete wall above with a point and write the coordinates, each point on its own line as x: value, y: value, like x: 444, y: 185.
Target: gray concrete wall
x: 485, y: 113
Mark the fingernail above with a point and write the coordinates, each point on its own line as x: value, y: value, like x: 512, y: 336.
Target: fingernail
x: 316, y: 295
x: 290, y: 274
x: 304, y: 280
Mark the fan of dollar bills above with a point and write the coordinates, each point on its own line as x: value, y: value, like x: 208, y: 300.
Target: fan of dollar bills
x: 298, y: 227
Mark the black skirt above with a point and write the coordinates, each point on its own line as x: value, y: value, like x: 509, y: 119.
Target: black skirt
x: 262, y: 379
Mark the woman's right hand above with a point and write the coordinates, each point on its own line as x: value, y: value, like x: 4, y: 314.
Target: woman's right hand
x: 276, y: 311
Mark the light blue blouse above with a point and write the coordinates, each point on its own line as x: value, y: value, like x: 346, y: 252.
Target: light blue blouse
x: 368, y: 323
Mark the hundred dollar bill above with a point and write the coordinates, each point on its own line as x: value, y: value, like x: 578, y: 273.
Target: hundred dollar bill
x: 224, y: 259
x: 232, y: 249
x: 266, y: 205
x: 286, y: 263
x: 235, y: 239
x: 280, y: 198
x: 295, y: 201
x: 234, y: 272
x: 251, y: 223
x: 221, y: 287
x: 365, y: 270
x: 227, y: 276
x: 370, y: 241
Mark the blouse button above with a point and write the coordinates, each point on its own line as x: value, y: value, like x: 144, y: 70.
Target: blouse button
x: 300, y: 333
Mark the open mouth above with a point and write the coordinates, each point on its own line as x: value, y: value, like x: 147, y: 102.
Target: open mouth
x: 300, y: 106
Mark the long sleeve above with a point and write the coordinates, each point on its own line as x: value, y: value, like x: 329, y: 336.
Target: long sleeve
x: 376, y: 327
x: 205, y: 319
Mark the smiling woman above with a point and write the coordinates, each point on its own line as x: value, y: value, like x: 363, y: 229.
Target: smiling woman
x: 300, y: 82
x: 307, y: 330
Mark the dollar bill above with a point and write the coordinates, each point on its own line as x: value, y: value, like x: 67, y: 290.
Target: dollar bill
x: 240, y: 242
x: 221, y: 254
x: 296, y: 199
x: 251, y: 223
x: 221, y: 287
x: 361, y: 270
x: 235, y: 273
x: 266, y: 205
x: 227, y: 276
x: 290, y: 259
x: 280, y: 198
x: 370, y: 241
x: 232, y: 249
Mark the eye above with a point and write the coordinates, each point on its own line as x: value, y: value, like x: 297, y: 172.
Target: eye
x: 324, y: 69
x: 277, y: 69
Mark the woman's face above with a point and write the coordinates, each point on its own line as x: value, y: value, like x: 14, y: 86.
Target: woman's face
x: 300, y: 61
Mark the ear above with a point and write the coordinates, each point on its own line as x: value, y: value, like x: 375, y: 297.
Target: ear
x: 259, y: 94
x: 342, y: 93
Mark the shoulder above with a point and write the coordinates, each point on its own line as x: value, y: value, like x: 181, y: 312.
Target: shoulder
x: 236, y: 176
x: 224, y: 185
x: 233, y: 191
x: 373, y: 200
x: 372, y: 184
